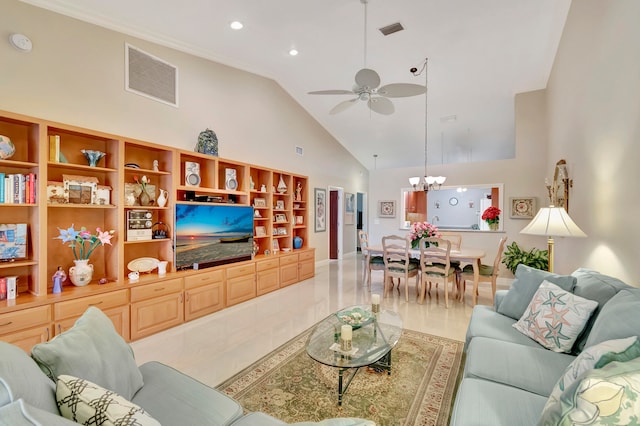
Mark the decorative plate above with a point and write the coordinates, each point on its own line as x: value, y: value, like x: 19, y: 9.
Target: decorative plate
x: 143, y: 264
x: 356, y: 317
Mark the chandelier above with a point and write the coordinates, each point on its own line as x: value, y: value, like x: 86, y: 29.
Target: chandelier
x: 429, y: 182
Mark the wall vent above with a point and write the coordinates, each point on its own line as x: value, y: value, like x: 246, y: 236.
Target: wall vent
x: 299, y: 151
x: 150, y: 76
x: 390, y: 29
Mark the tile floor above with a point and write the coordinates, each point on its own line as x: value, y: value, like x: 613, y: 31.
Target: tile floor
x: 214, y: 348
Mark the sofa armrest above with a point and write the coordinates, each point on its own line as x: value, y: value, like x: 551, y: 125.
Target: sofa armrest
x: 500, y: 294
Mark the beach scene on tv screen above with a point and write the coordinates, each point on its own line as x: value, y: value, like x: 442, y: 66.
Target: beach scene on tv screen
x: 212, y: 235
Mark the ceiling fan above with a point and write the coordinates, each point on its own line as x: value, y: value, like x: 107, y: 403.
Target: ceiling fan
x: 366, y: 87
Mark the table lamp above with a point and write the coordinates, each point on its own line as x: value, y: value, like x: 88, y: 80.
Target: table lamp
x: 553, y: 222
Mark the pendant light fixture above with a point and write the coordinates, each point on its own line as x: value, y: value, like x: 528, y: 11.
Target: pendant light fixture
x: 429, y: 182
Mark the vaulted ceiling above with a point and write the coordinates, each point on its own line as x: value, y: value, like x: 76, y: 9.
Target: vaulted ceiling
x: 481, y: 53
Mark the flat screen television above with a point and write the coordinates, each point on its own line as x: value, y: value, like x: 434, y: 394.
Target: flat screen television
x: 210, y: 235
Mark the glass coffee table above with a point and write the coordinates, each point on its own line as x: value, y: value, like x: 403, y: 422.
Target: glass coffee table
x: 374, y: 335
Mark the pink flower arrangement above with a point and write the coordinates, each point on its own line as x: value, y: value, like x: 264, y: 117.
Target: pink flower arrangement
x: 421, y: 230
x: 82, y: 242
x: 491, y: 215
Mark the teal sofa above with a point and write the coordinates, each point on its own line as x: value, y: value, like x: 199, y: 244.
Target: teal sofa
x: 54, y: 385
x: 508, y: 377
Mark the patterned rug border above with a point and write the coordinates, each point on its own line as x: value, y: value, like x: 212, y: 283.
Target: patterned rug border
x: 431, y: 405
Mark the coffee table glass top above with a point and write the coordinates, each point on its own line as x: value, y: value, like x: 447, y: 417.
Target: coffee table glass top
x: 374, y: 335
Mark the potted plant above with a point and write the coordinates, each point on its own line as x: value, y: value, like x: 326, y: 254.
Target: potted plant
x: 514, y: 255
x: 492, y: 216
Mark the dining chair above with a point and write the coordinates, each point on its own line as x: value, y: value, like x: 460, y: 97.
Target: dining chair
x: 488, y: 273
x: 435, y: 267
x: 370, y: 263
x: 456, y: 242
x: 398, y: 263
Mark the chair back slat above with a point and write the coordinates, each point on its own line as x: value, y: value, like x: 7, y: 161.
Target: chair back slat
x: 396, y: 253
x: 435, y: 256
x: 454, y: 237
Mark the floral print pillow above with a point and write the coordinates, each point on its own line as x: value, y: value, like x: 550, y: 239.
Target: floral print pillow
x: 555, y: 317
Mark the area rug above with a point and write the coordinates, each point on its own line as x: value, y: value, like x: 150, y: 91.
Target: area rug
x: 291, y: 386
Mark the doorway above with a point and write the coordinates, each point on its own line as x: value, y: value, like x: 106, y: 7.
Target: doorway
x: 361, y: 216
x: 336, y: 230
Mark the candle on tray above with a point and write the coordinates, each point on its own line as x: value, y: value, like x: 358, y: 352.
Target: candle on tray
x: 346, y: 332
x: 375, y: 303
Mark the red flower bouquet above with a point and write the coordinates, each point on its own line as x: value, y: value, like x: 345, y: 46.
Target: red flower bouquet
x: 491, y: 215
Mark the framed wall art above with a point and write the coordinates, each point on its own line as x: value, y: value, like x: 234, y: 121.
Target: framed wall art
x: 522, y: 207
x: 259, y: 202
x: 320, y: 198
x: 349, y: 208
x: 387, y: 208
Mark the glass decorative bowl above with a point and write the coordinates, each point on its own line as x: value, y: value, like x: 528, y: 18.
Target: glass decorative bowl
x: 92, y: 156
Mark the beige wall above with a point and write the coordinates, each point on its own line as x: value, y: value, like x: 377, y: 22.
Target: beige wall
x: 594, y: 123
x: 75, y: 75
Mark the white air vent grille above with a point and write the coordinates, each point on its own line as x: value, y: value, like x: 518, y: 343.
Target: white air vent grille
x: 300, y: 150
x: 149, y: 76
x: 390, y: 29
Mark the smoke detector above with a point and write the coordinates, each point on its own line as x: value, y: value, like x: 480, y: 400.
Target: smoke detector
x: 21, y: 42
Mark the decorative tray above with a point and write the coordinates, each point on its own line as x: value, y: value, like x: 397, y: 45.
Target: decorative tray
x: 355, y: 317
x: 143, y: 264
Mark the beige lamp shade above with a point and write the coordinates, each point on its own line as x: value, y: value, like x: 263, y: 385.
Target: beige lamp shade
x: 553, y: 222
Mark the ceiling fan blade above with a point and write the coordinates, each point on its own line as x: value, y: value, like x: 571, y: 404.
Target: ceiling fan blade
x: 367, y: 78
x: 343, y: 106
x: 331, y: 92
x: 401, y: 90
x: 381, y: 105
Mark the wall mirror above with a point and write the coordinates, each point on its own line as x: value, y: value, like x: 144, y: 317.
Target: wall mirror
x: 451, y: 207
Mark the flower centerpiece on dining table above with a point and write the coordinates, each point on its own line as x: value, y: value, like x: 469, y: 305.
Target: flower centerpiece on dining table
x: 492, y: 216
x: 83, y: 243
x: 420, y: 230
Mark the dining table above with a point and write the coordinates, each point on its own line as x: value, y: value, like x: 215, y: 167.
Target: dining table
x: 464, y: 255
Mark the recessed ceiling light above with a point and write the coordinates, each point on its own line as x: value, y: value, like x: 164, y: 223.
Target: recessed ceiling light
x: 236, y: 25
x: 293, y: 52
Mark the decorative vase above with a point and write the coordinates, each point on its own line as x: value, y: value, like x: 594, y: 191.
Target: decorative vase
x: 297, y: 242
x: 144, y: 198
x: 82, y: 273
x: 493, y: 226
x: 282, y: 187
x: 162, y: 199
x: 207, y: 142
x: 7, y: 148
x: 92, y: 156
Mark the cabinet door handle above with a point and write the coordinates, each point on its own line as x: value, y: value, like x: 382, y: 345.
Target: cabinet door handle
x: 48, y: 334
x: 96, y: 304
x: 180, y: 298
x: 187, y: 296
x: 59, y: 328
x: 159, y: 289
x: 6, y: 323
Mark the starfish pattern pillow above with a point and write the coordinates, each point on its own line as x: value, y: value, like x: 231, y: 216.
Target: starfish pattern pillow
x: 555, y: 317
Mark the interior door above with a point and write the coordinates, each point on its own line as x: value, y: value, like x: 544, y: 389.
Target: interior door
x: 333, y: 224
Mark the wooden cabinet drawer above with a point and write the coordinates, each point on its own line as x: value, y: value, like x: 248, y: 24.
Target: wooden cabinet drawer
x: 204, y: 278
x: 288, y: 274
x: 307, y: 255
x: 157, y: 314
x: 288, y: 259
x: 75, y: 308
x: 241, y: 289
x: 27, y: 339
x: 238, y: 271
x: 307, y: 269
x: 267, y: 264
x: 157, y: 289
x: 268, y: 280
x: 26, y: 318
x: 204, y: 300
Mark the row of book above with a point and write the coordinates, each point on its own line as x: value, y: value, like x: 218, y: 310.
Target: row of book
x: 17, y: 188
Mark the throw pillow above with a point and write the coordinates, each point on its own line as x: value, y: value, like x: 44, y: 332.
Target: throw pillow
x: 525, y: 285
x: 619, y: 318
x: 606, y: 396
x: 92, y: 350
x: 595, y: 357
x: 89, y: 404
x: 20, y: 377
x: 555, y: 317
